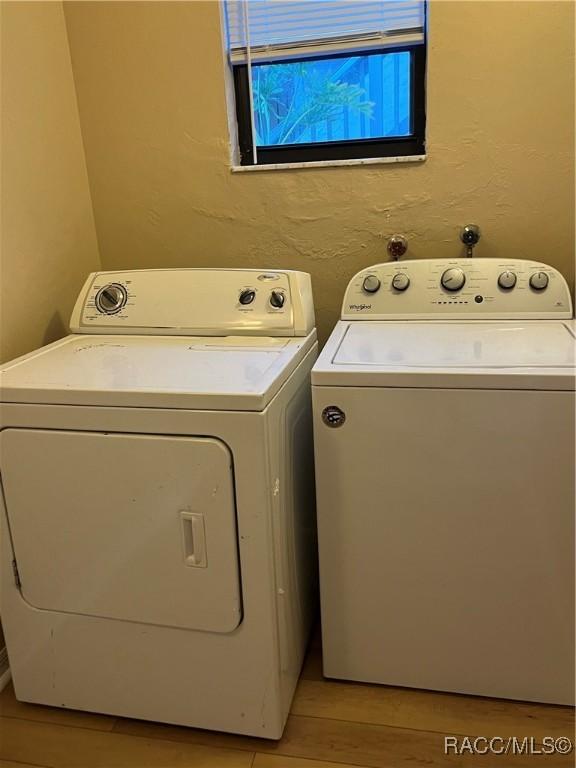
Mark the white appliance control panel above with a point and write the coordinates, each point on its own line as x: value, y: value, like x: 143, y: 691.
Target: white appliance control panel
x: 459, y: 288
x: 204, y: 302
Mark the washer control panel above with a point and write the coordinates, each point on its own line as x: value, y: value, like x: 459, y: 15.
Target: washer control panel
x: 212, y: 302
x: 459, y: 288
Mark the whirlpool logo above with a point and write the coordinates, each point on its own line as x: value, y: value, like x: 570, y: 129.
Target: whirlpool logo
x: 359, y: 307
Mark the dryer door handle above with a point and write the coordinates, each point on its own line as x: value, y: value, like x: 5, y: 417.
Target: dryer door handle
x: 194, y: 538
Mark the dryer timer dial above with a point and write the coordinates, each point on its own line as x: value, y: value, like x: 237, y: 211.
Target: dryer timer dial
x: 111, y: 298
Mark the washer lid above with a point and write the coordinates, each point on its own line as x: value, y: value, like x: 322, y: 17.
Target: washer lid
x: 464, y: 354
x: 458, y: 345
x: 219, y: 373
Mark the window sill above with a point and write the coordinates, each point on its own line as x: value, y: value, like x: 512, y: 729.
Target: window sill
x: 329, y: 163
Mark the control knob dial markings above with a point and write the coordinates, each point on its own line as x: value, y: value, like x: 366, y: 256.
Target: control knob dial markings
x: 507, y: 280
x: 247, y: 296
x: 111, y: 298
x: 371, y: 284
x: 400, y: 281
x: 539, y: 281
x: 453, y: 279
x: 277, y: 299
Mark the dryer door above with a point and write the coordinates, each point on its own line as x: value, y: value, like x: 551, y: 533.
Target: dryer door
x: 134, y: 527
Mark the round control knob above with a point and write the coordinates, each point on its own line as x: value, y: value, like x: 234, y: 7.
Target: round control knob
x: 453, y: 279
x: 247, y: 296
x: 371, y: 284
x: 111, y: 298
x: 400, y: 281
x: 277, y: 299
x: 507, y: 280
x: 539, y: 281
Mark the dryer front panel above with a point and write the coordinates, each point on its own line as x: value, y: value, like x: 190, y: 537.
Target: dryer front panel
x: 133, y: 527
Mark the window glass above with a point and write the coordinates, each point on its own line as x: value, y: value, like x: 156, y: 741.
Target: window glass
x: 332, y: 99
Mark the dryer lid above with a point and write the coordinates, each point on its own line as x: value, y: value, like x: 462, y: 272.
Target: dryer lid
x: 218, y: 373
x: 458, y: 345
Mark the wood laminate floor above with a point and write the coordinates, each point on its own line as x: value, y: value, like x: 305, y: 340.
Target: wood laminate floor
x: 332, y: 725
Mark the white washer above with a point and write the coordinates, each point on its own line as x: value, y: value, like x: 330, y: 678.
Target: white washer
x: 158, y: 546
x: 444, y: 440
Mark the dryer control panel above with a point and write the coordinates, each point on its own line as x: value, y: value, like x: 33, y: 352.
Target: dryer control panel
x: 203, y: 302
x: 457, y: 288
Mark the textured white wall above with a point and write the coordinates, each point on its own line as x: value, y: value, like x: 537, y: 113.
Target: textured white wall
x: 48, y: 237
x: 150, y: 81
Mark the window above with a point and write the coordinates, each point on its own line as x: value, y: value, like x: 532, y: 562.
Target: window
x: 327, y: 80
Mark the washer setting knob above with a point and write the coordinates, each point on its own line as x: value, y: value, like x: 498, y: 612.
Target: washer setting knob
x: 400, y: 281
x: 539, y: 281
x: 371, y: 284
x: 111, y: 298
x: 277, y: 299
x: 453, y: 279
x: 507, y: 280
x: 247, y: 296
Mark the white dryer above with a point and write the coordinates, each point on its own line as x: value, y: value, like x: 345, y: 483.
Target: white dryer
x: 444, y: 439
x: 158, y: 539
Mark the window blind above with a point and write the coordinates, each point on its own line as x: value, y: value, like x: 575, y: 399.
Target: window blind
x: 283, y: 29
